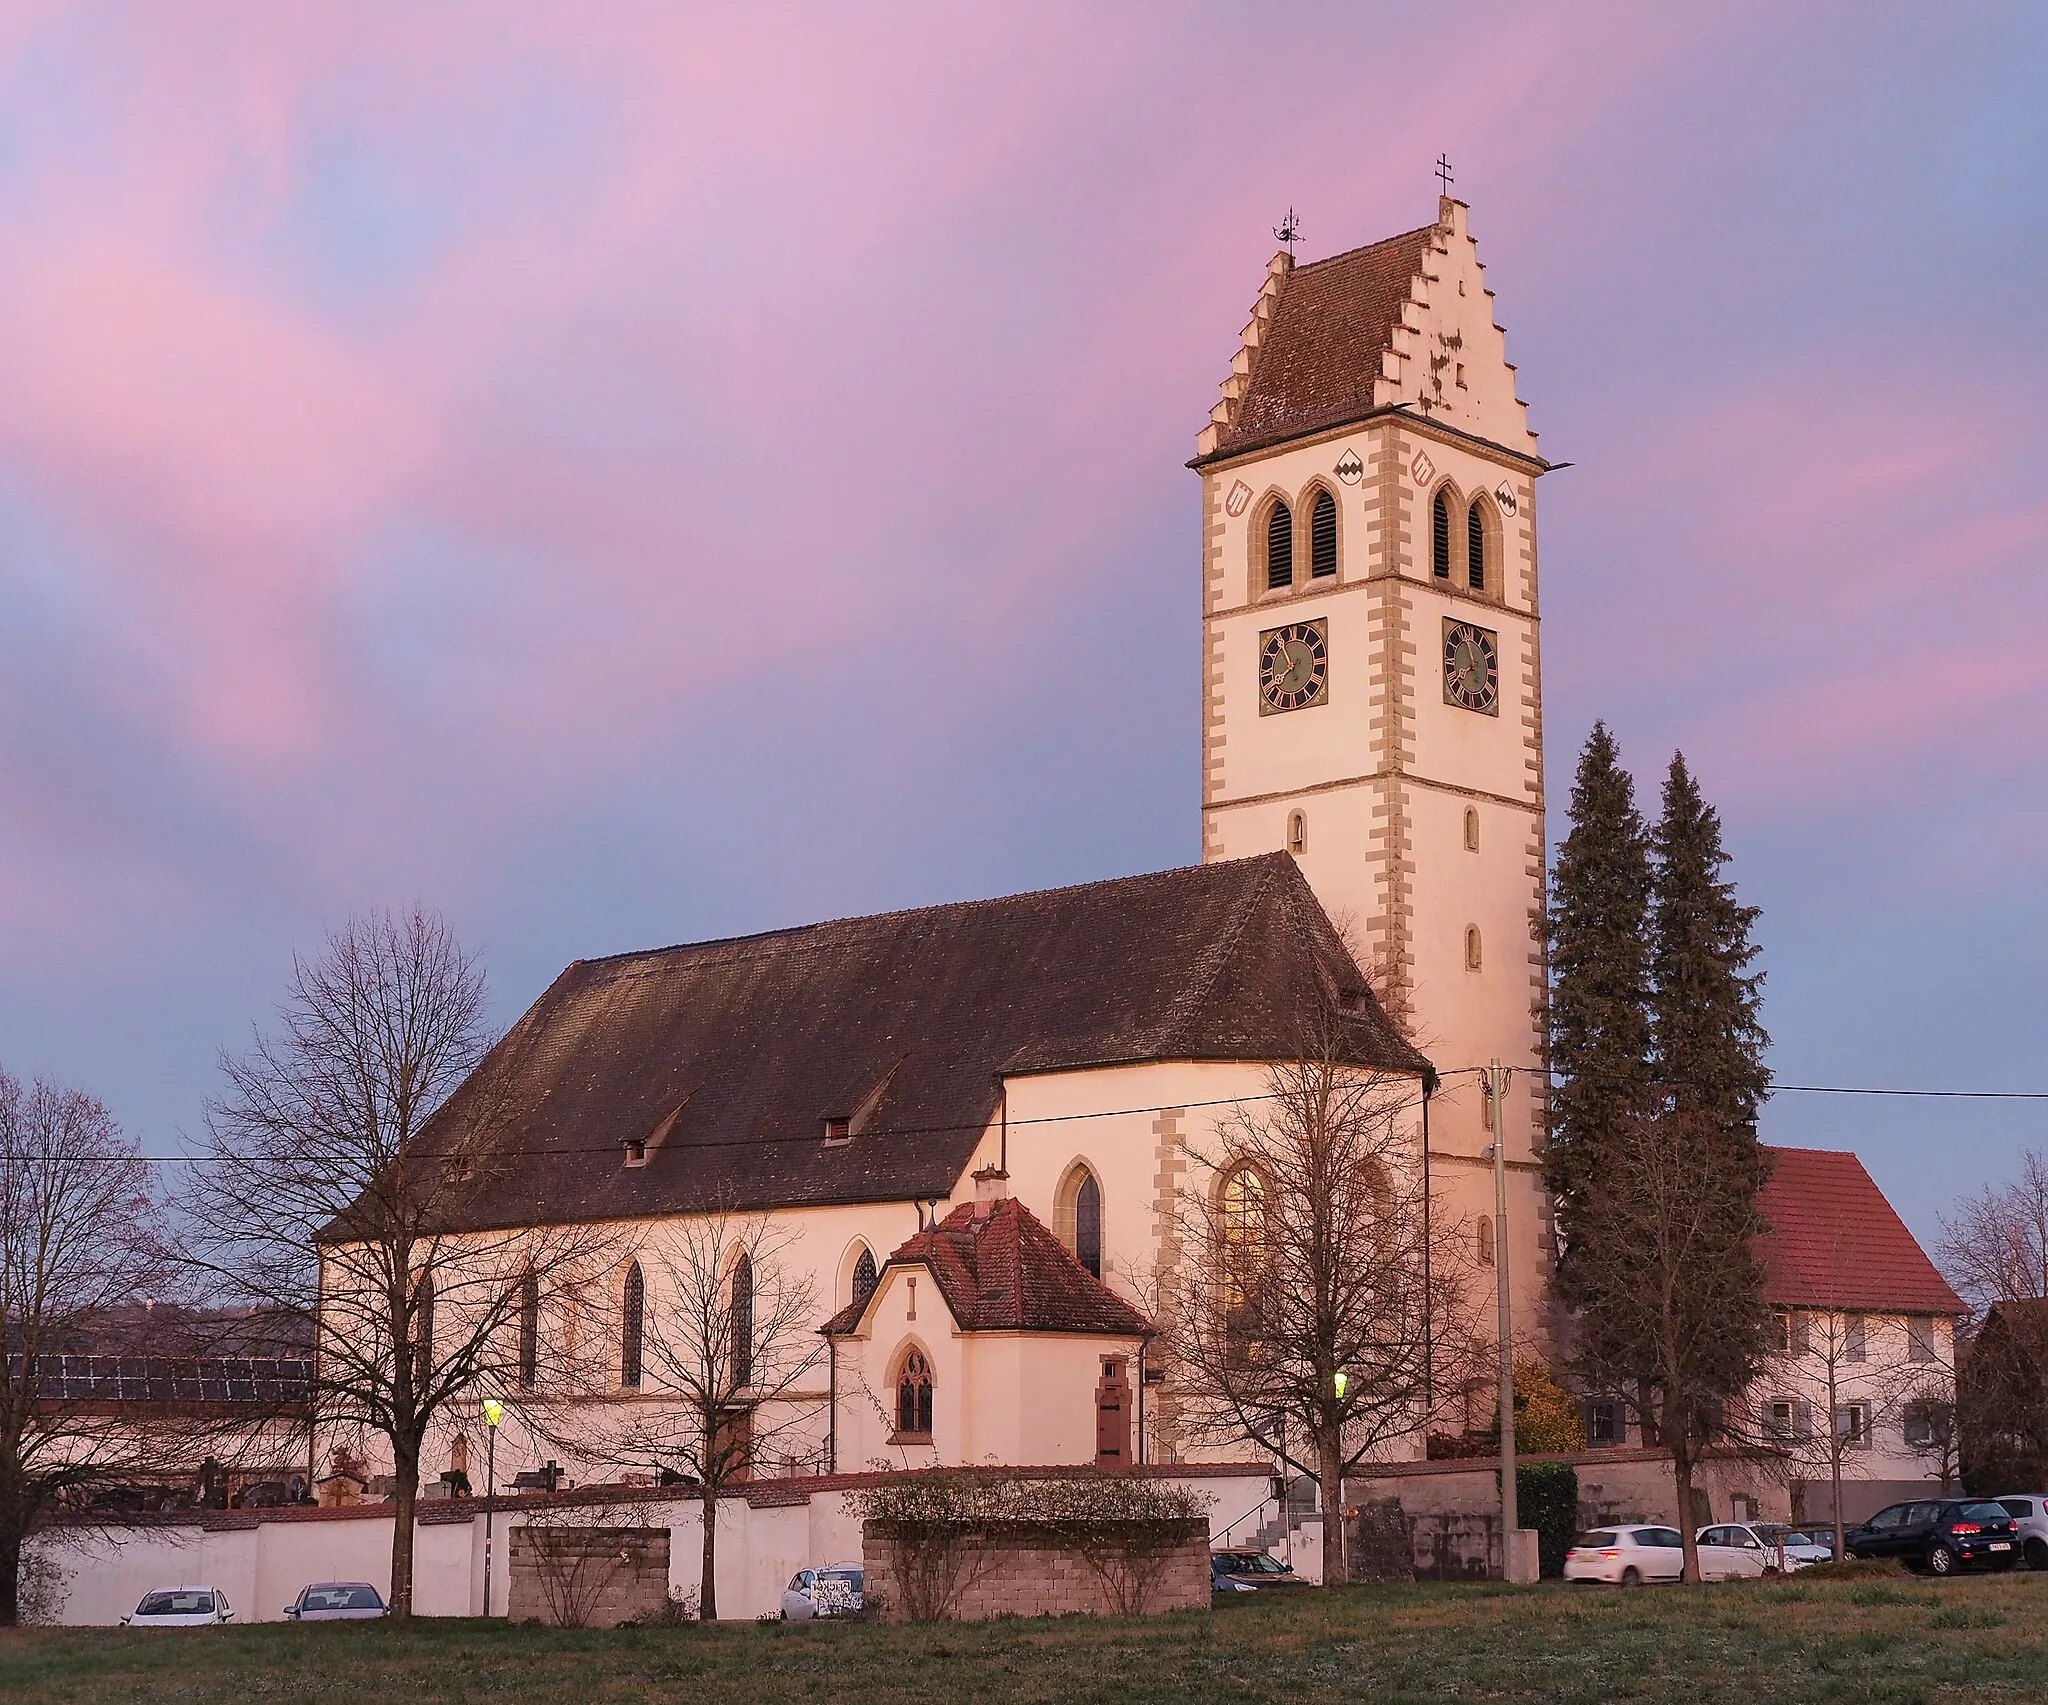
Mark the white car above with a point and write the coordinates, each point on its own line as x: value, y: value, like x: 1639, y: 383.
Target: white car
x: 2029, y: 1512
x: 1627, y: 1556
x: 1735, y: 1551
x: 834, y: 1590
x: 337, y: 1601
x: 181, y: 1607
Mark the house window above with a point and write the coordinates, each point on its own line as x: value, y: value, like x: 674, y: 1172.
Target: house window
x: 1279, y: 548
x: 1606, y: 1422
x: 1852, y: 1337
x: 1471, y: 828
x: 1297, y: 832
x: 743, y: 1321
x: 636, y: 1151
x: 1927, y: 1421
x: 1920, y: 1337
x: 1440, y: 536
x: 838, y: 1131
x: 632, y: 1327
x: 1788, y: 1420
x: 1485, y: 1233
x: 529, y: 1331
x: 1322, y: 537
x: 864, y: 1276
x: 914, y: 1398
x: 1475, y: 547
x: 1781, y: 1331
x: 1852, y: 1425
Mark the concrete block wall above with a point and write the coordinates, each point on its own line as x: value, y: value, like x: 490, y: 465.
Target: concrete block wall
x: 1033, y: 1573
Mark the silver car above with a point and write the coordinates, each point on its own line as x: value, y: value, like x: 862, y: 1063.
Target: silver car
x: 337, y: 1601
x: 180, y: 1607
x: 2029, y: 1512
x: 834, y: 1590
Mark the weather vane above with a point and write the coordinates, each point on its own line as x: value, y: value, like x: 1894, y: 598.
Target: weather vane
x: 1443, y: 174
x: 1289, y: 232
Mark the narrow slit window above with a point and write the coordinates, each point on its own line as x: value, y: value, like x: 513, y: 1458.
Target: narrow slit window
x: 1471, y: 828
x: 1322, y: 537
x: 1475, y: 548
x: 1440, y: 536
x: 1279, y: 548
x: 1485, y: 1229
x: 1297, y: 832
x: 1472, y: 947
x: 633, y: 1327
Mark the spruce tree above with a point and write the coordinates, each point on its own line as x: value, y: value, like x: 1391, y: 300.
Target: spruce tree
x: 1600, y: 1036
x: 1707, y: 1039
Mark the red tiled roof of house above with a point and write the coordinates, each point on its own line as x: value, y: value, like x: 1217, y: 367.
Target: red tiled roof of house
x: 1316, y: 364
x: 1835, y: 1241
x: 1001, y: 1270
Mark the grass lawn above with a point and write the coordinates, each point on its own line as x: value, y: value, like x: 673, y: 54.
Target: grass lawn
x: 1763, y: 1643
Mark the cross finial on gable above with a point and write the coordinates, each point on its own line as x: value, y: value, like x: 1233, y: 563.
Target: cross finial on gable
x: 1443, y: 173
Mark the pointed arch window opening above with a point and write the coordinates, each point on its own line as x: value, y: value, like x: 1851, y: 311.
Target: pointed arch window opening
x: 1088, y: 1225
x: 1440, y: 536
x: 1322, y: 537
x: 423, y: 1334
x: 1279, y: 548
x: 914, y: 1397
x: 1475, y: 547
x: 743, y: 1321
x: 529, y: 1332
x: 865, y: 1275
x: 632, y: 1327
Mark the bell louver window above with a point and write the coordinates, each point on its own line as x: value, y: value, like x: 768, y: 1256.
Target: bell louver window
x: 1279, y: 548
x: 1322, y: 537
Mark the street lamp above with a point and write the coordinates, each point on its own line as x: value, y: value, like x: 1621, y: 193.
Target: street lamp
x: 494, y: 1412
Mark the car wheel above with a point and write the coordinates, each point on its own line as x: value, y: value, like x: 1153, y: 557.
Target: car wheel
x: 2037, y: 1553
x: 1631, y: 1577
x: 1940, y: 1560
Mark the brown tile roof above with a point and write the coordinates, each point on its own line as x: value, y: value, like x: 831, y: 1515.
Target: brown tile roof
x: 1000, y: 1270
x: 729, y: 1056
x: 1836, y: 1243
x: 1320, y: 354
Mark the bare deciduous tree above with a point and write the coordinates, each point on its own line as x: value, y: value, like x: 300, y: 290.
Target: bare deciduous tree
x: 80, y: 1235
x: 728, y: 1335
x: 329, y: 1190
x: 1317, y: 1307
x: 1994, y: 1245
x: 1670, y: 1290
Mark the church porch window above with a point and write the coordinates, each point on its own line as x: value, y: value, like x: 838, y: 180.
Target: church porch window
x: 914, y: 1400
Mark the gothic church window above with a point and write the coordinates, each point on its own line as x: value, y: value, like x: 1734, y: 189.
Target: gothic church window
x: 1475, y: 546
x: 632, y: 1327
x: 1077, y: 1216
x: 864, y: 1276
x: 743, y: 1321
x: 1242, y: 1202
x: 529, y: 1332
x: 1279, y: 548
x: 1322, y: 537
x: 914, y: 1397
x: 1440, y: 536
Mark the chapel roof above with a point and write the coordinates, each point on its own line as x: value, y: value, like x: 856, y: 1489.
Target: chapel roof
x: 1001, y: 1270
x: 1835, y: 1242
x: 727, y: 1057
x: 1321, y: 349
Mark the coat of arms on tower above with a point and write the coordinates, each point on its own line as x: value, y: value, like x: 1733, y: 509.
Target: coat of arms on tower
x: 1422, y: 470
x: 1240, y: 495
x: 1349, y: 467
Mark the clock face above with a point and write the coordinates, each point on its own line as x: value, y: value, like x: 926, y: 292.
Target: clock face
x: 1294, y: 667
x: 1472, y: 667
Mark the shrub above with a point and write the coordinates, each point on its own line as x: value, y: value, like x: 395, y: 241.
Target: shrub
x: 1547, y: 1499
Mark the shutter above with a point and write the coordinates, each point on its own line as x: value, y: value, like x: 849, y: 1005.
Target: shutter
x: 1440, y: 536
x: 1802, y: 1420
x: 1322, y: 537
x: 1475, y: 548
x: 1279, y: 548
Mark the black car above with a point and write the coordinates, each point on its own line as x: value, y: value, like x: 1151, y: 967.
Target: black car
x: 1941, y: 1535
x: 1249, y: 1571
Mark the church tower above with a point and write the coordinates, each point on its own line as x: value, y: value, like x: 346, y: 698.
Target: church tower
x: 1372, y: 693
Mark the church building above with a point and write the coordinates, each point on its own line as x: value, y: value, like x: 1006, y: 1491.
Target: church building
x: 976, y: 1121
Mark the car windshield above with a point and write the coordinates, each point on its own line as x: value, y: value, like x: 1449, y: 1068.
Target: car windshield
x: 1596, y: 1541
x: 852, y: 1577
x: 180, y: 1603
x: 342, y: 1598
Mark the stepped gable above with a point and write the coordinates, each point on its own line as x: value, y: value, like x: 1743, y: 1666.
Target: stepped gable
x: 726, y: 1058
x: 1318, y: 343
x: 1835, y: 1242
x: 1001, y: 1270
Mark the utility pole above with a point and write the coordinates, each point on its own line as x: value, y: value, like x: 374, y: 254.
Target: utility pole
x: 1510, y: 1513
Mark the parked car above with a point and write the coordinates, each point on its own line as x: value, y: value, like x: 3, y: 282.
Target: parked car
x: 338, y: 1601
x: 1809, y: 1544
x: 2029, y: 1512
x: 1940, y: 1535
x: 1250, y: 1572
x: 181, y: 1607
x: 1740, y: 1551
x: 834, y: 1590
x: 1627, y: 1556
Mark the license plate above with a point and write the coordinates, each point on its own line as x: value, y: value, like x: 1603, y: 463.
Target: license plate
x: 2000, y: 1545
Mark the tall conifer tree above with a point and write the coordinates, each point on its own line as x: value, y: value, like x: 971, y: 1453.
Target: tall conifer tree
x: 1709, y: 1042
x: 1600, y: 1035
